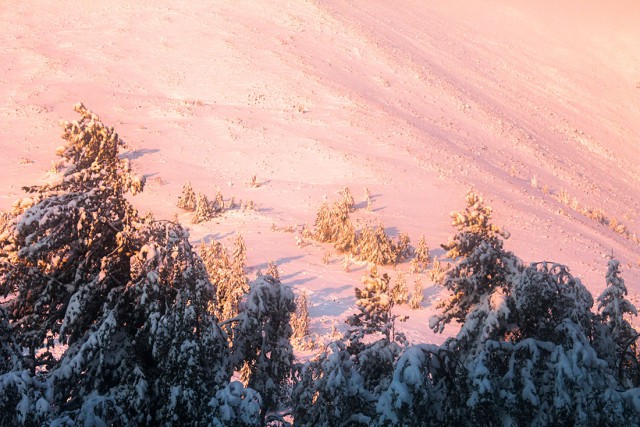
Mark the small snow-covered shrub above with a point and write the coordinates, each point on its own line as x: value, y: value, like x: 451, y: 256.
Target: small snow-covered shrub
x: 416, y: 296
x: 374, y: 245
x: 334, y: 226
x: 300, y: 323
x: 399, y: 292
x: 204, y: 210
x: 187, y: 200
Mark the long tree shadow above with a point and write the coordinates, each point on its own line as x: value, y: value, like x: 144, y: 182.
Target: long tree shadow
x: 328, y: 303
x: 136, y: 154
x: 279, y: 262
x: 209, y: 237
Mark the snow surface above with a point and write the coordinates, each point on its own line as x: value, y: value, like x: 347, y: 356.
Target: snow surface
x: 418, y: 103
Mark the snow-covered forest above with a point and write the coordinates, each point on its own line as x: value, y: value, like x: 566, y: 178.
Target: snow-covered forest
x: 112, y: 317
x: 326, y: 212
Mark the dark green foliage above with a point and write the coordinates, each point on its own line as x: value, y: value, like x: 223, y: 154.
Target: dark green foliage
x: 262, y: 339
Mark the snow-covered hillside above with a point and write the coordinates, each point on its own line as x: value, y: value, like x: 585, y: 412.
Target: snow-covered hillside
x: 528, y: 104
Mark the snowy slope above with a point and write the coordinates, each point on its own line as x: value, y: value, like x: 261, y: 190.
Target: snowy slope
x: 418, y: 103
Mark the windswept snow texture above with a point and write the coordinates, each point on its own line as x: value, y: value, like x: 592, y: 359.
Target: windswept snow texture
x: 418, y: 102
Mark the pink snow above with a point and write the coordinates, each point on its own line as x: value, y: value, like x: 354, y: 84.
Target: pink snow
x: 417, y: 101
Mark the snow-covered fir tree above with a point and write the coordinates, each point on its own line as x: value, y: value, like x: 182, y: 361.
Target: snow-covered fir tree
x: 21, y: 393
x: 422, y: 256
x: 203, y: 211
x: 534, y: 330
x: 156, y: 354
x: 229, y: 279
x: 403, y: 247
x: 399, y: 292
x: 236, y: 405
x: 218, y: 202
x: 420, y: 391
x: 300, y: 322
x: 329, y: 391
x: 341, y: 386
x: 66, y: 248
x: 262, y: 339
x: 347, y: 199
x: 482, y: 276
x: 187, y: 199
x: 374, y: 303
x: 10, y: 353
x: 272, y: 270
x: 614, y: 309
x: 333, y: 225
x: 239, y: 253
x: 546, y: 294
x: 374, y: 245
x: 417, y: 295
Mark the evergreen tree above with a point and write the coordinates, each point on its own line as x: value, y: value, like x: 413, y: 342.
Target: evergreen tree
x: 613, y: 307
x: 262, y: 334
x: 156, y: 353
x: 187, y: 200
x: 204, y: 211
x: 300, y: 322
x: 417, y: 295
x: 126, y: 293
x: 272, y: 270
x: 229, y: 279
x: 374, y: 245
x: 374, y: 303
x: 347, y: 200
x: 399, y: 292
x: 374, y: 358
x: 239, y: 255
x: 422, y: 256
x: 481, y: 279
x: 545, y: 295
x: 420, y: 393
x: 218, y: 203
x: 21, y: 394
x: 329, y: 391
x: 334, y: 226
x: 10, y: 354
x: 236, y: 405
x: 341, y: 386
x: 65, y: 249
x: 402, y: 247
